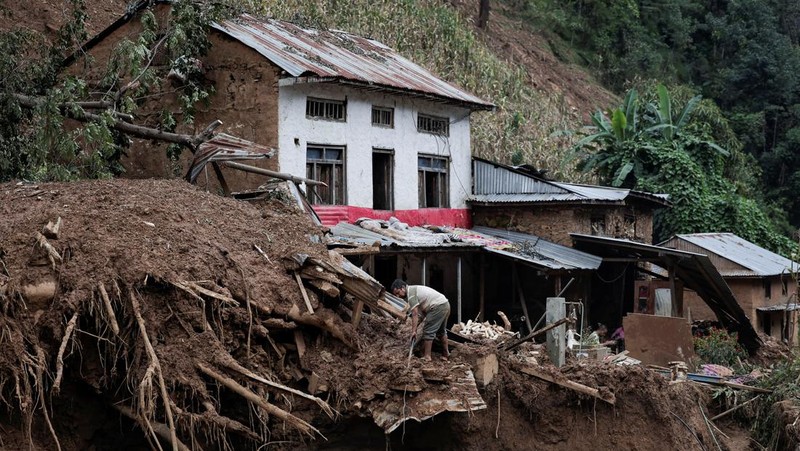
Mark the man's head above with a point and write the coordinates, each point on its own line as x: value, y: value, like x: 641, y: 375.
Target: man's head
x: 399, y: 288
x: 601, y: 330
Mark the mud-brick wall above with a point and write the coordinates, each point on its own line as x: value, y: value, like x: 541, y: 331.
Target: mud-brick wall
x: 245, y: 100
x: 555, y: 223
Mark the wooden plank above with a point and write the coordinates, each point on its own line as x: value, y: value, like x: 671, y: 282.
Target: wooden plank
x: 358, y: 306
x: 566, y: 383
x: 300, y: 342
x: 303, y: 291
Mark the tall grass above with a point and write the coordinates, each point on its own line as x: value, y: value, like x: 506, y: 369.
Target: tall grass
x: 435, y: 36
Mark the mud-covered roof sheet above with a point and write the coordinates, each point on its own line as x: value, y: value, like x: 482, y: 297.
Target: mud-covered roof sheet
x: 334, y: 55
x: 760, y: 261
x: 530, y: 249
x: 561, y: 257
x: 460, y: 396
x: 780, y: 307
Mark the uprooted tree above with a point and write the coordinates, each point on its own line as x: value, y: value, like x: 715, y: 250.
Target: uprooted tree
x: 66, y: 126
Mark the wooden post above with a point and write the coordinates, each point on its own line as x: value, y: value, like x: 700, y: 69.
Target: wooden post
x: 521, y: 295
x: 424, y: 269
x: 566, y: 383
x: 556, y: 310
x: 458, y: 271
x: 672, y: 293
x: 482, y: 283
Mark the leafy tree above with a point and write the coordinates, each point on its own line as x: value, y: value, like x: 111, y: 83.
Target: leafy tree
x: 36, y: 99
x: 655, y: 146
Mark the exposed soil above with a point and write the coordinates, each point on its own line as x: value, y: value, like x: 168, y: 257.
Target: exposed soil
x: 517, y: 42
x: 143, y: 242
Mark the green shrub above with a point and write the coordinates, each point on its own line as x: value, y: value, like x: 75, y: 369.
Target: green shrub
x: 720, y: 348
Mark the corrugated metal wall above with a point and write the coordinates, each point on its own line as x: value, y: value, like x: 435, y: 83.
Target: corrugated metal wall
x: 491, y: 179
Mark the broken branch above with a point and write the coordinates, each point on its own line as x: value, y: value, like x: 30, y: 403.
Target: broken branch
x: 61, y: 350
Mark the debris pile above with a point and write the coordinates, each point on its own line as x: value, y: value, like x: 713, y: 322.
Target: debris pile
x: 154, y: 314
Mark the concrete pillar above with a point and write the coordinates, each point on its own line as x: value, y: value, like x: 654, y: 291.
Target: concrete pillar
x: 556, y: 309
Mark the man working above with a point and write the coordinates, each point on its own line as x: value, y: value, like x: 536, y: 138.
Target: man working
x: 434, y: 309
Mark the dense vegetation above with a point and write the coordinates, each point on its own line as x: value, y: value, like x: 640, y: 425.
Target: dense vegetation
x: 742, y: 54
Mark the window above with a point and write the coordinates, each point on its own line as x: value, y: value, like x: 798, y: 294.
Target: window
x: 334, y: 110
x: 433, y: 124
x: 598, y: 225
x: 325, y: 164
x: 767, y: 288
x: 383, y: 116
x: 784, y: 286
x: 382, y: 179
x: 433, y: 191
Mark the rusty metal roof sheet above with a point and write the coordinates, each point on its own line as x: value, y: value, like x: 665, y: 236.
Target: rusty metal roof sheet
x: 543, y: 252
x: 519, y: 246
x: 339, y: 56
x: 742, y: 252
x: 224, y: 147
x: 460, y: 395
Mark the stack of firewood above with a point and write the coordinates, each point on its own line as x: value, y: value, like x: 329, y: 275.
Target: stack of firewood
x: 484, y: 330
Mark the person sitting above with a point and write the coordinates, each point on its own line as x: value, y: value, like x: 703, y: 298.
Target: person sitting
x: 598, y: 336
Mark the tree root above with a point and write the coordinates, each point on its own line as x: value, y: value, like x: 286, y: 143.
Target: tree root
x: 42, y: 363
x: 155, y: 363
x: 235, y: 366
x: 61, y: 349
x: 271, y: 409
x: 112, y: 318
x: 160, y: 429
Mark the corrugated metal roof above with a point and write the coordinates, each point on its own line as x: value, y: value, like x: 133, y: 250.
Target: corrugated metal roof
x: 492, y: 178
x: 341, y: 56
x: 528, y: 248
x: 495, y: 182
x: 695, y: 270
x: 524, y: 198
x: 345, y: 232
x: 562, y: 256
x: 738, y: 250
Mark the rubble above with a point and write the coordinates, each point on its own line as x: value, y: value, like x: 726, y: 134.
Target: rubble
x: 206, y: 332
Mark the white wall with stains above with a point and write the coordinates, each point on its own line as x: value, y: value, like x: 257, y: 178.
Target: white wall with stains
x: 359, y: 137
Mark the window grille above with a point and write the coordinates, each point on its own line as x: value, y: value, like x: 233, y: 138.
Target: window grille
x: 383, y: 117
x: 334, y: 110
x: 433, y: 124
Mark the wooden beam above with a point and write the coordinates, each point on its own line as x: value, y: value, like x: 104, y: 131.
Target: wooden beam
x: 566, y: 383
x: 268, y: 173
x: 358, y: 306
x: 303, y: 291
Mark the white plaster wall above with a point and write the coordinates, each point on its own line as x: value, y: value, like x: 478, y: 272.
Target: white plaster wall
x: 295, y: 131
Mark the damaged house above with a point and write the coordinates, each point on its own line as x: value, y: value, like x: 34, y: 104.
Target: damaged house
x: 763, y: 282
x: 384, y: 135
